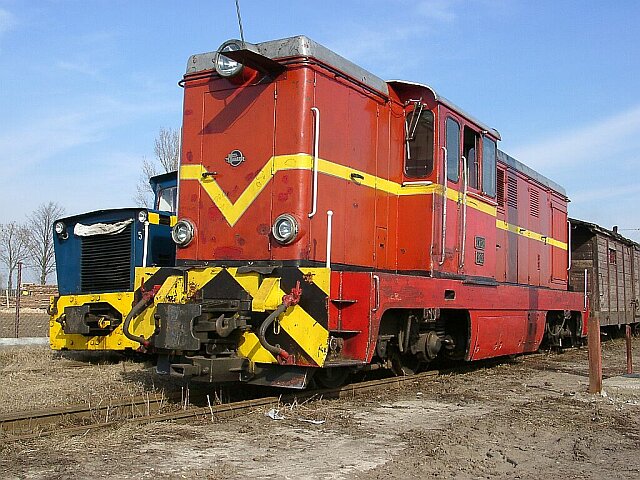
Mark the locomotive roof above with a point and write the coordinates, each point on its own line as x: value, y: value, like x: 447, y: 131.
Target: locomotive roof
x: 530, y: 172
x: 299, y: 46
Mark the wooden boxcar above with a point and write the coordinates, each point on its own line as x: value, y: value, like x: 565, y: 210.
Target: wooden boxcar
x: 611, y: 265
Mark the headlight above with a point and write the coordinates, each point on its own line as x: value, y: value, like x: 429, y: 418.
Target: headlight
x: 285, y: 229
x: 182, y: 233
x: 142, y: 216
x: 60, y: 228
x: 225, y: 66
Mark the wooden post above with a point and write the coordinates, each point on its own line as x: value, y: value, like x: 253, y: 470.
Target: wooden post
x: 18, y: 294
x: 595, y: 355
x: 629, y: 360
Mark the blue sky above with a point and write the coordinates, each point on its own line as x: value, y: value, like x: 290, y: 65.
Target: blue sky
x: 85, y: 85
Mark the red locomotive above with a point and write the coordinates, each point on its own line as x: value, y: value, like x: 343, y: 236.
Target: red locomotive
x: 330, y: 220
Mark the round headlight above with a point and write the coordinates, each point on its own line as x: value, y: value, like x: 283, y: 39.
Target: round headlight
x: 182, y: 233
x: 285, y: 229
x: 60, y: 228
x: 142, y: 216
x: 225, y: 66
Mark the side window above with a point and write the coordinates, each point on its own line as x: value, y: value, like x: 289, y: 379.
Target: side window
x: 419, y: 152
x: 470, y: 152
x: 453, y: 149
x: 488, y: 167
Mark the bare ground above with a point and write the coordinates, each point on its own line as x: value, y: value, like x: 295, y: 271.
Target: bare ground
x: 525, y: 418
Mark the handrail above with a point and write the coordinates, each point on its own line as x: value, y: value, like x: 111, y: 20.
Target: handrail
x: 569, y: 245
x: 329, y: 233
x: 316, y: 147
x: 464, y: 211
x: 444, y: 205
x: 376, y: 299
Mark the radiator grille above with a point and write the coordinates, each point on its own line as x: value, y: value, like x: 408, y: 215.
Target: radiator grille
x: 534, y: 203
x: 106, y: 262
x: 512, y: 191
x: 500, y: 188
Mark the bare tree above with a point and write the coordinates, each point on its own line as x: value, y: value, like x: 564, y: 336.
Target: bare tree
x: 14, y: 247
x: 40, y: 229
x: 167, y: 159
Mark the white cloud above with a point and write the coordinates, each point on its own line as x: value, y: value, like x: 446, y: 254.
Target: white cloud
x: 7, y: 21
x: 597, y: 141
x: 437, y: 10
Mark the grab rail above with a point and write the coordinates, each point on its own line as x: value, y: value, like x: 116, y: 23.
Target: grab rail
x: 316, y: 146
x: 464, y: 211
x: 444, y: 205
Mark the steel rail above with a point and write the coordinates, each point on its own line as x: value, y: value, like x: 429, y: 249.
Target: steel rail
x: 33, y: 419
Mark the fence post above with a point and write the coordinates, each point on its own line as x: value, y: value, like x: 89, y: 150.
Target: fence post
x: 595, y: 355
x: 18, y: 295
x: 629, y: 359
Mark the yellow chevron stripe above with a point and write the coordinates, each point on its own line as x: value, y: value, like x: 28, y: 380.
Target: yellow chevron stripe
x: 301, y: 161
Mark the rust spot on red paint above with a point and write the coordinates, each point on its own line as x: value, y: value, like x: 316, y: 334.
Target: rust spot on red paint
x: 285, y: 179
x: 263, y: 229
x: 355, y: 205
x: 189, y: 156
x: 226, y: 253
x: 239, y: 240
x: 188, y: 111
x: 194, y: 197
x: 283, y: 197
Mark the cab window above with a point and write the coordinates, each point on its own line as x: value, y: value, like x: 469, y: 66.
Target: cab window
x: 489, y: 167
x: 419, y: 151
x: 167, y: 199
x: 453, y: 149
x: 470, y: 152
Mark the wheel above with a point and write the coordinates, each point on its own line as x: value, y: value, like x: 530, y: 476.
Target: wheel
x: 403, y: 364
x: 331, y: 377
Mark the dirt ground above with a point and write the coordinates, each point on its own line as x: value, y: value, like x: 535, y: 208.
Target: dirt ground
x: 529, y: 417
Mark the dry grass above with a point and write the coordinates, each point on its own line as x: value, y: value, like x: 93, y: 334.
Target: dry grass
x: 37, y: 378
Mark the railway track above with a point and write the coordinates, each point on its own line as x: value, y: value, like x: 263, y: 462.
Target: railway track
x: 41, y: 422
x: 81, y: 419
x: 24, y: 426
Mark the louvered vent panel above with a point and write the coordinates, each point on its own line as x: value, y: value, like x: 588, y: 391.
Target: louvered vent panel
x: 534, y: 197
x: 106, y: 262
x: 500, y: 188
x: 512, y: 192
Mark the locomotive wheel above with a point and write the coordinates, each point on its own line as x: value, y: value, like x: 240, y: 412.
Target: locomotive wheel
x: 331, y: 377
x: 404, y: 365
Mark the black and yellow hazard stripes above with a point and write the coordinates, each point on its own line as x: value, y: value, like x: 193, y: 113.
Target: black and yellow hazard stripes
x: 302, y: 329
x: 112, y: 338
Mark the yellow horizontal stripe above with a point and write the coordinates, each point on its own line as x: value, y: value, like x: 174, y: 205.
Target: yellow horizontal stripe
x: 502, y: 225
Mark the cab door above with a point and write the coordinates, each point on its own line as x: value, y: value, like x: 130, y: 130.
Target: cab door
x: 448, y: 238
